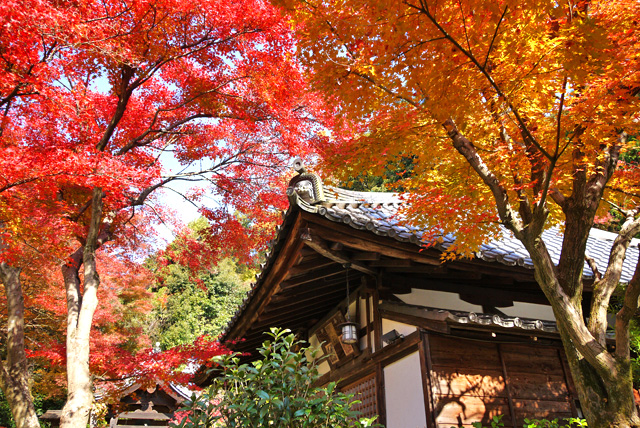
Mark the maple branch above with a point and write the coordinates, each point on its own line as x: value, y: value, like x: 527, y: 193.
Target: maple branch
x: 138, y: 141
x: 559, y: 119
x: 605, y: 169
x: 495, y: 34
x: 603, y: 289
x: 523, y: 127
x: 464, y: 26
x: 594, y: 268
x: 468, y: 150
x: 25, y: 181
x: 626, y: 313
x: 124, y: 93
x: 386, y: 89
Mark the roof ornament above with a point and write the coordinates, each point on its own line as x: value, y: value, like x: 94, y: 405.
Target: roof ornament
x: 306, y: 185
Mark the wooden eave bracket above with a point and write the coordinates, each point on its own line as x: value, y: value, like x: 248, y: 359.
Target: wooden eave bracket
x: 321, y: 246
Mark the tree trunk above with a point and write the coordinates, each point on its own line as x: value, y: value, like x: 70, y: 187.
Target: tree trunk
x: 80, y: 310
x: 605, y: 402
x: 14, y: 375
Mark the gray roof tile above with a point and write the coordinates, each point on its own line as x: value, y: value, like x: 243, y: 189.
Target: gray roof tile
x: 379, y: 213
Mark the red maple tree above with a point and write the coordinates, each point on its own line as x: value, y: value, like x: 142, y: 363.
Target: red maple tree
x: 93, y: 95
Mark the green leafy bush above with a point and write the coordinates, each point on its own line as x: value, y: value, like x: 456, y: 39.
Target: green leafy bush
x: 496, y: 422
x: 544, y: 423
x: 277, y: 390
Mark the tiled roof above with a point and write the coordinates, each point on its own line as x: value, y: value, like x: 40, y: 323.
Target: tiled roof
x: 379, y: 213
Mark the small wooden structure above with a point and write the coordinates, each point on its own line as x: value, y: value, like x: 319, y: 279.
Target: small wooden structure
x: 146, y: 406
x: 138, y: 406
x: 52, y: 417
x: 440, y: 344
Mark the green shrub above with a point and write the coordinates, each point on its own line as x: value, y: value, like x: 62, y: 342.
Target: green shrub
x: 544, y: 423
x: 496, y: 422
x: 277, y: 390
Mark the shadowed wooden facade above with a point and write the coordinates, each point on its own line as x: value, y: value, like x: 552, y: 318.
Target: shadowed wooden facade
x: 475, y: 338
x: 146, y: 406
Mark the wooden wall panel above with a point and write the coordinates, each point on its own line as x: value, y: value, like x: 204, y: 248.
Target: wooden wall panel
x: 456, y: 353
x: 465, y: 410
x: 537, y: 382
x: 541, y: 410
x: 470, y: 384
x: 467, y: 382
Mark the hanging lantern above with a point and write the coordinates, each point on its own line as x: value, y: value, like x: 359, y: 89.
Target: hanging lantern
x: 349, y: 328
x: 349, y: 333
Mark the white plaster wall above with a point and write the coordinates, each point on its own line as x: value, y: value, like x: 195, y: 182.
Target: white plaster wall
x: 402, y: 328
x: 530, y: 310
x: 438, y: 299
x: 314, y: 343
x: 363, y: 312
x: 403, y: 393
x: 352, y: 310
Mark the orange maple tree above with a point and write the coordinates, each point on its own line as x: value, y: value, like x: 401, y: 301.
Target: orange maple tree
x: 515, y: 114
x: 93, y: 95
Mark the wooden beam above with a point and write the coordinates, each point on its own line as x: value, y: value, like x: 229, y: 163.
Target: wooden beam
x: 311, y: 293
x: 278, y: 321
x: 365, y: 363
x: 330, y: 271
x: 312, y: 296
x: 365, y: 256
x: 393, y: 263
x: 427, y: 324
x: 306, y: 267
x: 461, y: 286
x: 369, y: 242
x: 312, y: 240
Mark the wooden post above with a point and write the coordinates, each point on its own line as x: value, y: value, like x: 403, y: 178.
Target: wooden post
x: 368, y: 315
x: 506, y: 386
x: 425, y: 346
x: 427, y: 388
x: 358, y: 313
x: 380, y: 395
x: 377, y: 319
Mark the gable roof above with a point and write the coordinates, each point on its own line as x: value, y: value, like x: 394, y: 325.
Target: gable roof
x: 379, y: 214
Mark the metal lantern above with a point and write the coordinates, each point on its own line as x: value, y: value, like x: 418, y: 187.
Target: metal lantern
x: 349, y: 332
x: 349, y: 328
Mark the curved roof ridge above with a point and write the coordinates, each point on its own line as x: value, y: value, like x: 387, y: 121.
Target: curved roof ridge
x: 338, y: 194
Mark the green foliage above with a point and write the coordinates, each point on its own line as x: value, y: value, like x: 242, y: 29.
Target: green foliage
x: 276, y: 390
x: 395, y: 170
x: 195, y: 294
x: 544, y: 423
x: 187, y: 307
x: 41, y: 402
x: 496, y: 422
